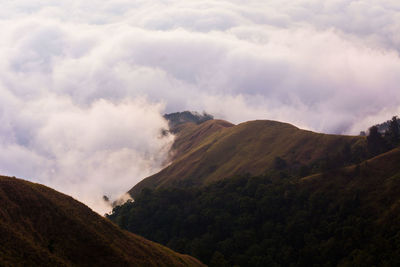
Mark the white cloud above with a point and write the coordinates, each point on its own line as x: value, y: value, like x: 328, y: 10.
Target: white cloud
x: 71, y: 69
x: 87, y: 152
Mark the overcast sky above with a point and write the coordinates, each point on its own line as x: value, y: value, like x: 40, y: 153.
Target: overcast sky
x: 83, y: 84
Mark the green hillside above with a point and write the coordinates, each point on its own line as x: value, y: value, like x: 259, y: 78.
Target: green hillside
x: 42, y: 227
x: 215, y: 150
x: 341, y: 217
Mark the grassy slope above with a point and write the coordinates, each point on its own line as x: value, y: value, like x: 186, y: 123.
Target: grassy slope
x: 42, y: 227
x: 375, y: 183
x: 191, y: 135
x: 204, y: 155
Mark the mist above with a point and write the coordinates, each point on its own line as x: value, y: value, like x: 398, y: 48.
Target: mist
x: 84, y: 84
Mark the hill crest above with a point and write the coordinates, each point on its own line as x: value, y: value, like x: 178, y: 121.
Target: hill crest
x: 203, y: 156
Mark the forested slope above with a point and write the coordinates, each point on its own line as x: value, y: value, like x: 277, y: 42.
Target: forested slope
x: 347, y: 216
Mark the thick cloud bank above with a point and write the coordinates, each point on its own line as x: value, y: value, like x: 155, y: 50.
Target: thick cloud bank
x: 83, y: 83
x: 87, y: 152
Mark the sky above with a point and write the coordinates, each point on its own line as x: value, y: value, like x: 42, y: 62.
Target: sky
x: 84, y: 84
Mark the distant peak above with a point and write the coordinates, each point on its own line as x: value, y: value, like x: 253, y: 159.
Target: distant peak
x: 177, y: 118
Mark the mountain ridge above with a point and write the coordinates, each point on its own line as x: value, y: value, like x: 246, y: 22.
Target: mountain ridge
x: 42, y: 227
x: 177, y: 118
x: 249, y: 147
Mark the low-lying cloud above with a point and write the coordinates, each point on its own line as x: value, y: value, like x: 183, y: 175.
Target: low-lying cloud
x: 83, y: 84
x: 87, y: 152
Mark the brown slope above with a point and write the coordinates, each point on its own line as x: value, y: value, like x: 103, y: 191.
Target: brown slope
x: 42, y: 227
x: 189, y: 135
x: 249, y: 147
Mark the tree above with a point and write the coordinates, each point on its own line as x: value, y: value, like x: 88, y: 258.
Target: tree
x: 375, y: 142
x: 394, y: 132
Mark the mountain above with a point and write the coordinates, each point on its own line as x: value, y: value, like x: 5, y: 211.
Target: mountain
x: 42, y: 227
x: 346, y: 216
x: 190, y: 135
x: 215, y: 149
x: 177, y: 118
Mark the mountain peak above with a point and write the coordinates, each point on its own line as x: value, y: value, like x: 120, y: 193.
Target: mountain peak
x: 178, y: 118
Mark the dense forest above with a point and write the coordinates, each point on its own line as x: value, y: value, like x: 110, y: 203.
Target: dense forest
x: 346, y: 215
x: 262, y: 221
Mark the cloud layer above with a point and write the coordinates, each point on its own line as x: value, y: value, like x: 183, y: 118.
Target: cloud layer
x: 83, y: 83
x: 87, y: 152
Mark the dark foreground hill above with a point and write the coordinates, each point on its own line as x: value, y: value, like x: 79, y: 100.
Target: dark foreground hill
x: 42, y: 227
x: 215, y: 150
x: 347, y: 216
